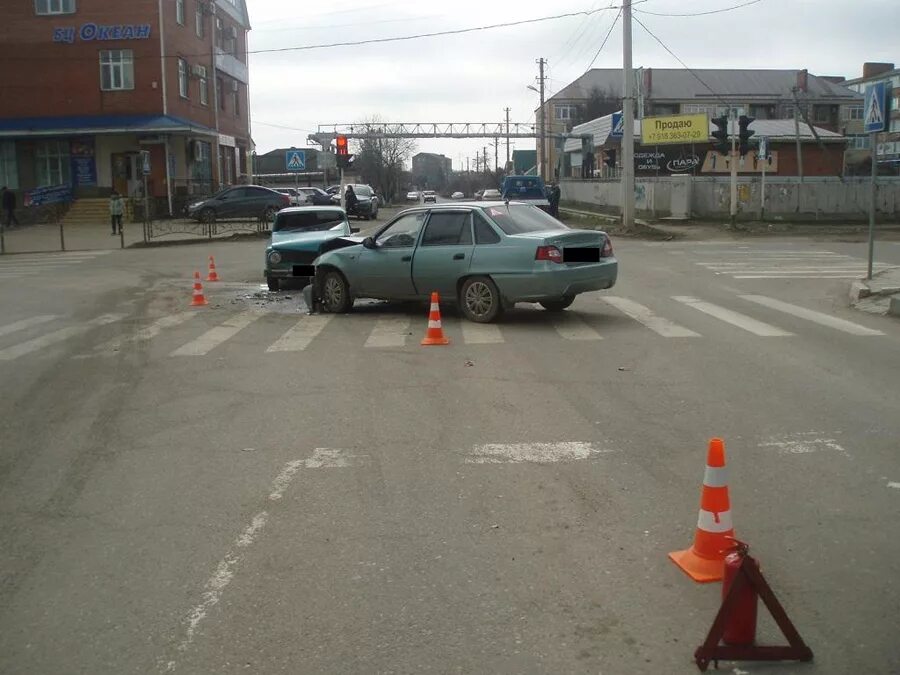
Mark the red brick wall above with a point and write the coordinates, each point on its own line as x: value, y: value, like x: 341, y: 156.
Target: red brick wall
x: 182, y: 41
x: 43, y: 78
x: 816, y: 162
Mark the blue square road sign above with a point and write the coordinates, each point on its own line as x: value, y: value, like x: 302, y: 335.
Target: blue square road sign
x: 875, y: 108
x: 295, y: 160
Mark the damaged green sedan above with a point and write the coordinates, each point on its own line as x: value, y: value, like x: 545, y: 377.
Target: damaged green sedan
x: 486, y: 257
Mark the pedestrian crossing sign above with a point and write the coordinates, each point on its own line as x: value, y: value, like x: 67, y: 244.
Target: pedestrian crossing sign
x: 875, y: 108
x: 295, y: 160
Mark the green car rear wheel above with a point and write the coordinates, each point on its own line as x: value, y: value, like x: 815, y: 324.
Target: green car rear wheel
x: 479, y: 300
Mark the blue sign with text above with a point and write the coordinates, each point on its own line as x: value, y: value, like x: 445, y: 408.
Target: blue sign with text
x: 90, y: 32
x: 618, y: 128
x: 48, y: 195
x: 84, y: 166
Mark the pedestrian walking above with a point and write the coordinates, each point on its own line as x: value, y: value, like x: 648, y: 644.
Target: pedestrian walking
x: 350, y: 200
x: 9, y: 206
x: 116, y: 210
x: 555, y: 194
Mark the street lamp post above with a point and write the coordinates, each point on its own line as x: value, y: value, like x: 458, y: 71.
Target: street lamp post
x: 541, y: 130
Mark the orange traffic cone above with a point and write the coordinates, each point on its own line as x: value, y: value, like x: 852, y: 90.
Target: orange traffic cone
x: 212, y: 276
x: 435, y: 333
x: 199, y: 299
x: 705, y: 560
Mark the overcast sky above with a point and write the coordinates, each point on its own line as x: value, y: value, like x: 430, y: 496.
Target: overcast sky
x: 473, y: 77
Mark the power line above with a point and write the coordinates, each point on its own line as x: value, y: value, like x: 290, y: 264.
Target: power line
x: 684, y: 65
x: 712, y: 11
x: 603, y: 44
x: 282, y: 126
x: 356, y: 43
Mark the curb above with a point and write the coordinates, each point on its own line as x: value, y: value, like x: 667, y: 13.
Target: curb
x: 858, y: 291
x: 894, y: 305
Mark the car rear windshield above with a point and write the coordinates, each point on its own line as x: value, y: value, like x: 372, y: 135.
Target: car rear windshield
x: 362, y: 190
x: 522, y: 218
x: 308, y: 221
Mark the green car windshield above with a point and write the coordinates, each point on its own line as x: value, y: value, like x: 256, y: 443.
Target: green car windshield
x: 309, y: 221
x: 523, y: 218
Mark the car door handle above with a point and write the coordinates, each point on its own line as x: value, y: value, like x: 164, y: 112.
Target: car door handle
x: 406, y: 258
x: 459, y: 256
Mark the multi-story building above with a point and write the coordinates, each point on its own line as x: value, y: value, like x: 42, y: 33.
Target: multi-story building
x: 88, y: 84
x: 431, y: 170
x: 762, y: 94
x: 859, y: 155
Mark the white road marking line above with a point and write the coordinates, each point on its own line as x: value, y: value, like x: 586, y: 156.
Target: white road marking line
x: 793, y: 271
x: 25, y: 323
x: 795, y: 276
x: 572, y: 327
x: 645, y: 316
x: 804, y: 443
x: 55, y: 337
x: 224, y: 573
x: 535, y: 453
x: 38, y: 263
x: 388, y: 333
x: 298, y: 337
x: 892, y: 484
x: 734, y: 318
x: 87, y: 255
x: 216, y: 336
x: 110, y: 347
x: 810, y: 315
x: 480, y: 333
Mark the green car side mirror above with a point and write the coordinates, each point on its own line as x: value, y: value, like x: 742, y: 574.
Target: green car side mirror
x: 368, y: 242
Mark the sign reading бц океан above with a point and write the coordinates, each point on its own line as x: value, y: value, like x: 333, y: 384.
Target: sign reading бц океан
x: 90, y: 32
x: 675, y: 129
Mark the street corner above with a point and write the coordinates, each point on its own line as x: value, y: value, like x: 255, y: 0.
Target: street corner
x: 878, y: 295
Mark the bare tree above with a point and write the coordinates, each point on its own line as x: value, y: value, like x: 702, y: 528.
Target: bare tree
x: 380, y: 161
x: 599, y: 103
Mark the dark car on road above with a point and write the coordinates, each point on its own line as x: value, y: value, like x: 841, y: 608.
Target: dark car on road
x: 366, y: 202
x: 316, y: 196
x: 243, y: 201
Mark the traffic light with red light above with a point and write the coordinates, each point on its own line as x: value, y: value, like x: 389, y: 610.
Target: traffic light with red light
x: 344, y: 158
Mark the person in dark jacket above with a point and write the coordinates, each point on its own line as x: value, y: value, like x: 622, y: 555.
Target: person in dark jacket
x: 350, y: 200
x: 9, y: 206
x: 555, y: 194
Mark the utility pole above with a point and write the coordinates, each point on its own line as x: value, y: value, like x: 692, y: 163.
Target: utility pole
x: 496, y: 157
x: 627, y: 120
x: 507, y: 140
x: 542, y: 160
x: 797, y: 133
x: 484, y: 167
x: 732, y: 118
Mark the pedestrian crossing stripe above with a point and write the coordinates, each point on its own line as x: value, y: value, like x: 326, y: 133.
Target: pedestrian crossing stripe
x: 395, y: 331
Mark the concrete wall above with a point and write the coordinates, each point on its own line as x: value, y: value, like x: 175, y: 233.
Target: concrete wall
x: 834, y: 199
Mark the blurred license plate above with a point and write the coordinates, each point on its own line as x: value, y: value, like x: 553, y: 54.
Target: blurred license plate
x: 581, y: 254
x: 304, y: 271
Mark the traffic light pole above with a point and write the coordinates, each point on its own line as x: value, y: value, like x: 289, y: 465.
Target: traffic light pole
x: 627, y: 120
x: 873, y: 139
x: 732, y: 117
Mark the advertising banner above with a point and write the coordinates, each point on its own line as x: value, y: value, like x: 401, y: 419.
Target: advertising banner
x: 84, y: 165
x: 675, y: 129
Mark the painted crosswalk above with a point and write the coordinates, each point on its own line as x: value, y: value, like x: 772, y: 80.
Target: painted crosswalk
x: 202, y: 333
x: 14, y: 266
x: 744, y: 263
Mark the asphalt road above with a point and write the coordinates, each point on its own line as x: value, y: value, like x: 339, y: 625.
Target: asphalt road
x: 244, y: 488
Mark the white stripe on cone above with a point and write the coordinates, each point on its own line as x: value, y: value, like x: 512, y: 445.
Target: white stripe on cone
x: 434, y: 307
x: 434, y: 324
x: 715, y: 476
x: 706, y: 521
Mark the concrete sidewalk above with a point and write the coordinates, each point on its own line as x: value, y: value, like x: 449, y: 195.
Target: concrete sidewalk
x: 878, y: 295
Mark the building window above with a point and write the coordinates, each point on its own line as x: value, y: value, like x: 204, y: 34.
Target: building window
x: 219, y: 34
x: 853, y: 112
x: 236, y: 96
x: 9, y: 171
x: 895, y: 125
x: 204, y: 85
x: 565, y: 112
x: 179, y: 11
x: 182, y: 78
x: 198, y: 20
x: 116, y: 69
x: 859, y: 142
x: 220, y: 91
x: 52, y: 163
x: 822, y: 113
x: 697, y: 109
x: 54, y: 6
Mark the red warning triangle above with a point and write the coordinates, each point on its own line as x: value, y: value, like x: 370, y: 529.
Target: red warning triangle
x: 711, y: 650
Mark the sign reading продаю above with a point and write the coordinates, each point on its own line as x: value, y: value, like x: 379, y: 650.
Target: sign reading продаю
x: 675, y: 129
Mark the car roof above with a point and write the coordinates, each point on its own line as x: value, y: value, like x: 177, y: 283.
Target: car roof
x: 306, y: 209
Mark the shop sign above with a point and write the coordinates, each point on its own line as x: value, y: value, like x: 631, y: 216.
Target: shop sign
x: 84, y: 165
x: 48, y: 195
x: 750, y: 163
x: 675, y: 129
x: 91, y: 32
x: 667, y: 160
